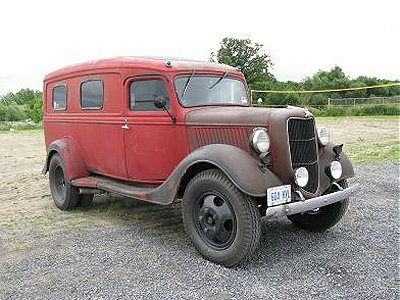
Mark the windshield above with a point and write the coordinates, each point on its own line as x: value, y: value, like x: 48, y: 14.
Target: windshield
x: 196, y: 90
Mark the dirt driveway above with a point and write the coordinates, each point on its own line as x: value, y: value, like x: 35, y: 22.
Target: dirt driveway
x: 120, y: 248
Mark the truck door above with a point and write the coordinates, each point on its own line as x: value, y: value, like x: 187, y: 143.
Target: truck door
x: 150, y: 137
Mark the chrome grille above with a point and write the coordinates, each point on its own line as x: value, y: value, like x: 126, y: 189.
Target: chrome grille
x: 303, y: 149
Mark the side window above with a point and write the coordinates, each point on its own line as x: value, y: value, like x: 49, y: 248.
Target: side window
x: 60, y: 97
x: 92, y: 94
x: 144, y: 92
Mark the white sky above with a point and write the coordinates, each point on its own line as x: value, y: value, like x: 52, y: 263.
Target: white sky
x: 36, y: 37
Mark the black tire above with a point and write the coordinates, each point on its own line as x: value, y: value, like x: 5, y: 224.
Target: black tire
x: 85, y: 200
x: 222, y: 222
x: 65, y: 195
x: 324, y: 217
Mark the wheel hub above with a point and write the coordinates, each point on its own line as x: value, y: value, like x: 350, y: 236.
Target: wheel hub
x: 216, y: 220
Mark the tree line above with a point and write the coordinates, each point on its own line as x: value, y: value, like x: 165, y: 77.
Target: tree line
x: 25, y: 104
x: 255, y: 64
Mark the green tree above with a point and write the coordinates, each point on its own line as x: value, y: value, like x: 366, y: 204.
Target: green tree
x: 26, y: 103
x: 25, y: 96
x: 12, y: 112
x: 36, y: 109
x: 248, y: 56
x: 7, y: 99
x: 335, y: 78
x: 22, y: 97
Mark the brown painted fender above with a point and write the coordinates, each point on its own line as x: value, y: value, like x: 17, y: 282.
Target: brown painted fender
x: 325, y: 159
x: 241, y: 168
x: 69, y: 150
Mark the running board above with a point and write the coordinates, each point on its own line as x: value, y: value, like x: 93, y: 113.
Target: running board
x: 123, y: 188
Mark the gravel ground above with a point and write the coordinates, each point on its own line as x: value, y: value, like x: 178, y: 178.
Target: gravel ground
x: 152, y: 258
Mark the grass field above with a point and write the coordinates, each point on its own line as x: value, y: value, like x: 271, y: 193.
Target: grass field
x: 19, y: 126
x: 372, y: 138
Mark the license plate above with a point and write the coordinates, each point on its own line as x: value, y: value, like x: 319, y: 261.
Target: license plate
x: 278, y: 195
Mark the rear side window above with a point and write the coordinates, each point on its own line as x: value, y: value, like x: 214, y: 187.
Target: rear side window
x: 92, y: 94
x: 60, y: 97
x: 144, y: 92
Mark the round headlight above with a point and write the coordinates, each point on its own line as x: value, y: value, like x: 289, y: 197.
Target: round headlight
x: 324, y: 135
x: 335, y: 169
x: 301, y: 176
x: 260, y: 141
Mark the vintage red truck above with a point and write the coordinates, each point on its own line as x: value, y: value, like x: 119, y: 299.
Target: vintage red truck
x: 158, y: 130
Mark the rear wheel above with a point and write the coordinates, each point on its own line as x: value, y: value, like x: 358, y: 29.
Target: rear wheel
x: 223, y: 224
x: 324, y: 217
x: 65, y: 195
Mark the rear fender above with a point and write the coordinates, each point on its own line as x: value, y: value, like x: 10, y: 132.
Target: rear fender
x: 69, y: 150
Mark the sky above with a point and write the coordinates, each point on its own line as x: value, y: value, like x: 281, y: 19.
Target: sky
x: 301, y: 37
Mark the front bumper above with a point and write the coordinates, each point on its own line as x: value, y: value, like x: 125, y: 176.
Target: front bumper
x: 310, y: 204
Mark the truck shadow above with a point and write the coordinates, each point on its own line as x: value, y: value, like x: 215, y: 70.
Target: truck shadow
x: 279, y: 237
x: 160, y: 220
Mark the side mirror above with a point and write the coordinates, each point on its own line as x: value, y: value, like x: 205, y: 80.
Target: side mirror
x: 159, y: 103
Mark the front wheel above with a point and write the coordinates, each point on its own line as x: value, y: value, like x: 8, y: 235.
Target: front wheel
x: 222, y: 222
x: 324, y: 217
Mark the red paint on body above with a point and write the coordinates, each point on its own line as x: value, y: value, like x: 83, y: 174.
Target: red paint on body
x: 152, y: 147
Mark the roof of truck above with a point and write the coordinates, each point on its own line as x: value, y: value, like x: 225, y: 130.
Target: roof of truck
x: 163, y: 64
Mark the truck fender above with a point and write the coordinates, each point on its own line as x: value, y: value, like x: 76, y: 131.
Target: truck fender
x: 69, y: 150
x: 239, y: 166
x: 327, y: 156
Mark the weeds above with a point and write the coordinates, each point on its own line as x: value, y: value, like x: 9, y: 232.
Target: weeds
x: 19, y: 126
x: 362, y: 110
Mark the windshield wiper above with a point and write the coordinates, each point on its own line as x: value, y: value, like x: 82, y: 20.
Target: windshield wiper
x: 187, y: 84
x: 219, y: 80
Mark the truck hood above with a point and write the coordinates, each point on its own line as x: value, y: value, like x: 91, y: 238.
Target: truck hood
x: 245, y: 116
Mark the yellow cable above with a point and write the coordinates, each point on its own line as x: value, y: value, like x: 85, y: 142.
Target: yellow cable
x: 328, y: 91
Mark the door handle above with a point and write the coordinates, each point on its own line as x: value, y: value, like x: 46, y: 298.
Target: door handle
x: 126, y: 127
